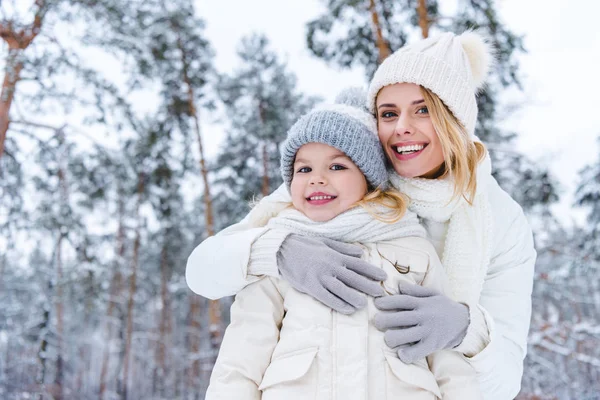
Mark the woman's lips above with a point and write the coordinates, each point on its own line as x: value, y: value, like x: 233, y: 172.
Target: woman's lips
x: 407, y: 156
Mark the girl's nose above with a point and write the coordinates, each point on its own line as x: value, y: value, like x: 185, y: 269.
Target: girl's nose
x: 318, y: 180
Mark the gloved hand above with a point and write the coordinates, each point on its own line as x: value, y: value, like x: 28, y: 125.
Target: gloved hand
x: 420, y: 321
x: 330, y: 271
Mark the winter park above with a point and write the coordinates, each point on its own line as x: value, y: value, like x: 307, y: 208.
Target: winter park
x: 318, y: 199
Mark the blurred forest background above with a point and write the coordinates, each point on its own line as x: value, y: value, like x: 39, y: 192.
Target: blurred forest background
x: 101, y: 201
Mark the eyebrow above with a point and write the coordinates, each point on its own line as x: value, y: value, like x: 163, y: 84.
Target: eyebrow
x: 341, y: 155
x: 414, y: 103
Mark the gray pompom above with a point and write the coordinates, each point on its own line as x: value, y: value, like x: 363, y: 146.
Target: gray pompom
x: 353, y: 96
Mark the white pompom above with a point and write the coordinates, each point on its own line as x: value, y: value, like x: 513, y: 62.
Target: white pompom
x: 352, y: 96
x: 480, y: 54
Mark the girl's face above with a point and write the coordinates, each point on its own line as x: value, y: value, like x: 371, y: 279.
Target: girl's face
x: 406, y: 131
x: 326, y: 182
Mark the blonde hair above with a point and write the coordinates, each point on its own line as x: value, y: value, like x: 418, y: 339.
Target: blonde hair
x: 461, y: 153
x: 394, y: 202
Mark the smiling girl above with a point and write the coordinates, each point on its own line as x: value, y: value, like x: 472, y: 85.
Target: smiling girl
x: 283, y: 344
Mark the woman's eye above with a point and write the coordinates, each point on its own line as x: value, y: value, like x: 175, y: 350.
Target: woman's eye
x: 388, y: 114
x: 423, y: 110
x: 304, y: 170
x: 338, y: 167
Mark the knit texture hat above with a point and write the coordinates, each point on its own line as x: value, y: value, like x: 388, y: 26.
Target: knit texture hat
x: 453, y: 67
x: 346, y: 125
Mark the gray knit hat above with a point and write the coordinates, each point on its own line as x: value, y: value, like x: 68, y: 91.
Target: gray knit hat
x: 453, y: 67
x: 345, y: 125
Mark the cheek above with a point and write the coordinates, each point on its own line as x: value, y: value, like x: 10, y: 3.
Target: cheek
x: 296, y: 191
x: 383, y: 133
x: 359, y: 188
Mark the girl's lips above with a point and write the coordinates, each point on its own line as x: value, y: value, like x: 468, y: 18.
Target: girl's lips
x: 320, y: 202
x: 320, y: 198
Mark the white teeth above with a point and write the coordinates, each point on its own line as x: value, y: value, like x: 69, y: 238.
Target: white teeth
x: 409, y: 149
x: 320, y: 198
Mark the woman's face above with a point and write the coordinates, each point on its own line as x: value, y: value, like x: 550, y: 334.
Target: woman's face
x: 325, y: 182
x: 406, y: 131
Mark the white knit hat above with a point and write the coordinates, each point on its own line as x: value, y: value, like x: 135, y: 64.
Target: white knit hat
x: 453, y: 67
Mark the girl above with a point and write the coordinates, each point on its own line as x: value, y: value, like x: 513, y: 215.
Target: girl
x: 283, y: 344
x: 423, y: 97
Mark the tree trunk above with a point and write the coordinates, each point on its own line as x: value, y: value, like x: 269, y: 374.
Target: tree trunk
x: 115, y: 294
x: 423, y: 20
x: 17, y: 40
x: 64, y: 203
x: 382, y: 45
x: 41, y: 376
x: 132, y: 288
x: 265, y: 155
x: 214, y: 309
x: 161, y: 366
x: 265, y: 180
x: 11, y: 77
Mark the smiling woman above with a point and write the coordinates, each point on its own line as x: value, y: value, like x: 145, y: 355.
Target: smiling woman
x: 407, y: 133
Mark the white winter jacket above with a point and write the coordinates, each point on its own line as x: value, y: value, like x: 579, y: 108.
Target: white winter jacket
x: 219, y: 267
x: 284, y: 345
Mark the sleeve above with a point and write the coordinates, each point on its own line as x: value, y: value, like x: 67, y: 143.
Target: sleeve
x: 248, y: 343
x: 225, y: 263
x: 455, y: 376
x: 505, y: 302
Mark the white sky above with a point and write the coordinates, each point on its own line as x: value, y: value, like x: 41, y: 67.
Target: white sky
x: 559, y: 120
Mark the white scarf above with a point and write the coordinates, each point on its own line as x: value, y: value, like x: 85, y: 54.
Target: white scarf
x: 354, y: 225
x: 467, y: 247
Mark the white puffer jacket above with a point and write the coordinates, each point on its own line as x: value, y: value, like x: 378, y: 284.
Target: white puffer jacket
x: 505, y: 298
x: 284, y: 345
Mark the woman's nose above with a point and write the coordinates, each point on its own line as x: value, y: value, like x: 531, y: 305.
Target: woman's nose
x: 403, y: 126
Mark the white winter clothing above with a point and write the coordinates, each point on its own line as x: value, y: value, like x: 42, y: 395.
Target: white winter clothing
x: 496, y: 340
x: 467, y: 246
x: 283, y: 344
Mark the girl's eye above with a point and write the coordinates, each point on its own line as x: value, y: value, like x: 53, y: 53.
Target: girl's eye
x: 388, y: 114
x: 423, y: 110
x: 304, y: 170
x: 338, y: 167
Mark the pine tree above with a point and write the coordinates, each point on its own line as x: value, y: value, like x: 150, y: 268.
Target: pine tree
x: 38, y: 53
x: 564, y: 356
x: 362, y: 33
x: 587, y: 195
x: 177, y: 54
x: 261, y: 103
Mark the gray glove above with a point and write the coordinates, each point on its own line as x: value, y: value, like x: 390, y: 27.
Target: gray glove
x: 420, y: 321
x: 330, y: 271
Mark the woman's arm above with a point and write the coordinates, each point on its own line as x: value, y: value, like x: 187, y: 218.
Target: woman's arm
x: 495, y: 342
x: 249, y: 342
x: 331, y: 272
x: 219, y: 266
x: 506, y: 300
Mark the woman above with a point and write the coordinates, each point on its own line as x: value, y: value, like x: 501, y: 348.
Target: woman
x: 424, y: 99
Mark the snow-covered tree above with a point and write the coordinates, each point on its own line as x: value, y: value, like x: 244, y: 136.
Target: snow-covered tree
x: 260, y: 104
